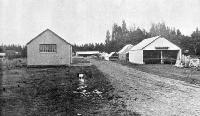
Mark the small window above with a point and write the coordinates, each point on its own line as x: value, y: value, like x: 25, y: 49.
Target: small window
x: 162, y: 48
x: 48, y: 48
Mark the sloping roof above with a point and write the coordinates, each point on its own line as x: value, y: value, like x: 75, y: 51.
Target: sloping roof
x: 87, y: 52
x: 48, y: 30
x: 144, y: 43
x: 125, y: 49
x: 104, y: 54
x: 112, y: 53
x: 2, y: 54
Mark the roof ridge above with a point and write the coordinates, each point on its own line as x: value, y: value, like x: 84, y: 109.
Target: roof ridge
x: 51, y: 32
x: 125, y: 48
x: 151, y: 42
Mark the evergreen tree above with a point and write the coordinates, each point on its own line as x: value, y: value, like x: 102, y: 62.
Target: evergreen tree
x: 196, y: 41
x: 107, y: 37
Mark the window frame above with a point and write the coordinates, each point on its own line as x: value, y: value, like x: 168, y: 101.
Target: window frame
x: 48, y: 48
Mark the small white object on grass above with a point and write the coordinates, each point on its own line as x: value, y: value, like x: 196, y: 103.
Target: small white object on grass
x: 81, y: 75
x: 81, y: 78
x: 97, y: 92
x: 79, y: 114
x: 82, y: 87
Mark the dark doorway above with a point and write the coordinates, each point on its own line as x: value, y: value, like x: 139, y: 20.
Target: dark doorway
x: 160, y: 56
x: 127, y: 56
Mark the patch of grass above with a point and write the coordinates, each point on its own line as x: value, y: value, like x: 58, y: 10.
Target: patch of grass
x: 15, y: 63
x: 189, y: 75
x: 50, y: 91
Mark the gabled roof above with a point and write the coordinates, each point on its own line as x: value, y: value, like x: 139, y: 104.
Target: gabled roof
x: 144, y: 43
x: 48, y: 30
x: 112, y: 53
x: 125, y: 49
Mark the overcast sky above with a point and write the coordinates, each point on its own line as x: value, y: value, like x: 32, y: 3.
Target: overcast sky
x: 85, y: 21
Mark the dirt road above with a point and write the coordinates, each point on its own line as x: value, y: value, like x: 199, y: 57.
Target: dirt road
x: 152, y: 95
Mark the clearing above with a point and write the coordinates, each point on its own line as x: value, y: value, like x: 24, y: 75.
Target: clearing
x: 150, y: 94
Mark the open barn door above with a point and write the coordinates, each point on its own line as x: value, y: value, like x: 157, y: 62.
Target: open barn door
x: 160, y: 56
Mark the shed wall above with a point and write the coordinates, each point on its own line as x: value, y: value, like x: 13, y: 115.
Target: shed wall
x: 61, y: 57
x: 122, y: 56
x: 136, y: 56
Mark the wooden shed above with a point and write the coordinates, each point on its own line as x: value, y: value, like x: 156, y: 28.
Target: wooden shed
x: 48, y: 49
x: 124, y: 52
x: 87, y: 53
x: 155, y: 50
x: 113, y: 56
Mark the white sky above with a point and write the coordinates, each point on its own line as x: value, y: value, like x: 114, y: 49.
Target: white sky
x: 85, y: 21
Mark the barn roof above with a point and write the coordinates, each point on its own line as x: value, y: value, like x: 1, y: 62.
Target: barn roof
x: 144, y: 43
x: 161, y: 43
x: 48, y: 30
x: 125, y: 49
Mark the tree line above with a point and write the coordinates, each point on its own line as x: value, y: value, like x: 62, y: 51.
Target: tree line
x: 120, y: 35
x: 14, y: 51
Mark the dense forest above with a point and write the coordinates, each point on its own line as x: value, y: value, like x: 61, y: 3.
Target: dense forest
x: 120, y: 35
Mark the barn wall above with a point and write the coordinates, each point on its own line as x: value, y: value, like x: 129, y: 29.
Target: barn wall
x: 136, y: 56
x: 61, y: 57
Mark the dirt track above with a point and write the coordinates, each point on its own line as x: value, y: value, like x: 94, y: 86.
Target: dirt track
x: 152, y: 95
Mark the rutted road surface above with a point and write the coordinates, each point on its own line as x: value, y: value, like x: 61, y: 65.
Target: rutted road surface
x: 151, y: 95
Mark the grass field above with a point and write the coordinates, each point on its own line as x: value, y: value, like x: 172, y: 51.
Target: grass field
x: 53, y: 92
x: 190, y: 75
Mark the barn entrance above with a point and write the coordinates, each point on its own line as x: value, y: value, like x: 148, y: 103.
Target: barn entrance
x: 160, y: 56
x: 127, y: 56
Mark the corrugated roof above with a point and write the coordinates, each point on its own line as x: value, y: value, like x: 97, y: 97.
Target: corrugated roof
x: 48, y: 30
x: 144, y: 43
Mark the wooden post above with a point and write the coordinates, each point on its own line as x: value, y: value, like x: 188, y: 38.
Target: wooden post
x: 161, y: 61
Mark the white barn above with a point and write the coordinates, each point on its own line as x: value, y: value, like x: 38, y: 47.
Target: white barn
x: 155, y: 50
x: 48, y: 49
x: 87, y: 53
x: 124, y: 51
